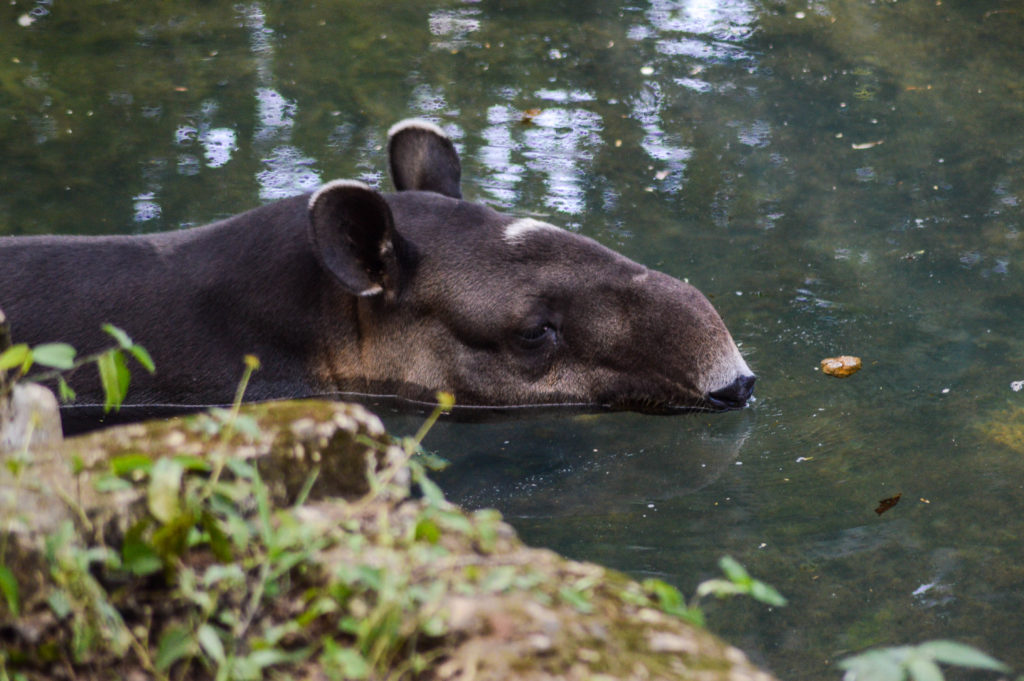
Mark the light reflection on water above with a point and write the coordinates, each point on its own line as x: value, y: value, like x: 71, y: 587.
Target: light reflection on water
x: 839, y: 177
x: 287, y: 169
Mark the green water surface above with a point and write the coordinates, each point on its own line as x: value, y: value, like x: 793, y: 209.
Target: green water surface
x: 839, y: 176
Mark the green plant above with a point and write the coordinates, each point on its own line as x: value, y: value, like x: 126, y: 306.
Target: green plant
x: 737, y: 582
x: 918, y: 663
x: 61, y: 357
x: 221, y: 508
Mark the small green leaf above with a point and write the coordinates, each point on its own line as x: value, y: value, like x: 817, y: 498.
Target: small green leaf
x: 242, y: 469
x: 115, y: 377
x: 193, y: 463
x: 720, y: 587
x: 129, y: 463
x: 54, y: 355
x: 370, y: 576
x: 232, y: 573
x: 164, y: 486
x: 766, y: 594
x: 64, y: 390
x: 211, y: 643
x: 176, y: 643
x: 577, y: 599
x: 348, y: 662
x: 499, y: 579
x: 119, y: 335
x: 139, y: 558
x: 248, y: 426
x: 454, y: 521
x: 59, y: 603
x: 921, y: 668
x: 142, y: 356
x: 736, y: 573
x: 9, y: 588
x: 431, y: 461
x: 268, y: 657
x: 882, y: 664
x: 961, y: 655
x: 109, y: 483
x: 431, y: 492
x: 428, y: 531
x: 668, y: 596
x: 16, y: 356
x: 220, y: 544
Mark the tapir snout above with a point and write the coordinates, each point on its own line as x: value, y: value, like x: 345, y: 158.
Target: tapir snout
x: 350, y: 291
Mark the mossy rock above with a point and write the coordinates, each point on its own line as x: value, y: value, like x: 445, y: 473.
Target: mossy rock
x: 286, y: 542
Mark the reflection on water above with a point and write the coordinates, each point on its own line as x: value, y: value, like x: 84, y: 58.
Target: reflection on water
x: 287, y: 169
x: 706, y: 30
x: 557, y: 143
x: 841, y: 177
x: 452, y: 27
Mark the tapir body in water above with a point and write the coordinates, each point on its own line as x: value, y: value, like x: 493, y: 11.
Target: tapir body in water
x: 350, y: 291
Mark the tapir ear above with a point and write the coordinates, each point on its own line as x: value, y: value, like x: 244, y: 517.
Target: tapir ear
x: 422, y: 157
x: 353, y: 235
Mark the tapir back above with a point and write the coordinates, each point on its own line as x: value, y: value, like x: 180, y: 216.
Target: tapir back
x: 197, y: 299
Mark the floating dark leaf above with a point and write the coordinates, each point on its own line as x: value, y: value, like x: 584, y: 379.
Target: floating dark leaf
x: 885, y: 504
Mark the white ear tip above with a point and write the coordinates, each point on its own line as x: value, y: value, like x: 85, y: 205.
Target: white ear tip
x: 415, y: 123
x: 336, y: 184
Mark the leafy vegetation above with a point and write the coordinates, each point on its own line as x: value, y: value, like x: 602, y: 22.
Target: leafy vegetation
x: 737, y: 582
x: 918, y: 663
x: 218, y: 574
x: 59, y: 358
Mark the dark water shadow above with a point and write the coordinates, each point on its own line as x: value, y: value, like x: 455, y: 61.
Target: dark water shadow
x: 551, y: 465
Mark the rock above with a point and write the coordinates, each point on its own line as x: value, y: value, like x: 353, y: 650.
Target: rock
x: 29, y: 413
x: 29, y: 416
x: 348, y: 574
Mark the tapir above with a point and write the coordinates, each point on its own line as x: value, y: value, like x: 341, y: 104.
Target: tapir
x: 350, y: 291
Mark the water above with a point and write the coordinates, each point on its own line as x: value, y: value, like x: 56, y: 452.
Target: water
x: 840, y: 176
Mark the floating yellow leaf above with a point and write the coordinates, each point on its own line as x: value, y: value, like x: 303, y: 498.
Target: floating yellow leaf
x: 842, y: 366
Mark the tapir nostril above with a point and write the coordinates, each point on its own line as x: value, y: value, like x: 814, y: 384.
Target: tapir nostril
x: 735, y: 394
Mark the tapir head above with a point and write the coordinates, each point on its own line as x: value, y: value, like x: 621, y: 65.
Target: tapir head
x: 505, y: 311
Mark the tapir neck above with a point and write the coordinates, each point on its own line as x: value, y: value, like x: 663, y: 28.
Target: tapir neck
x: 260, y: 290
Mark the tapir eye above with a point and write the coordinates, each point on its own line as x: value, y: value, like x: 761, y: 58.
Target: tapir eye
x: 537, y: 336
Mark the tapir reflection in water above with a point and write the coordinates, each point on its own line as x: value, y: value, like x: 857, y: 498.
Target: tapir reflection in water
x: 351, y: 291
